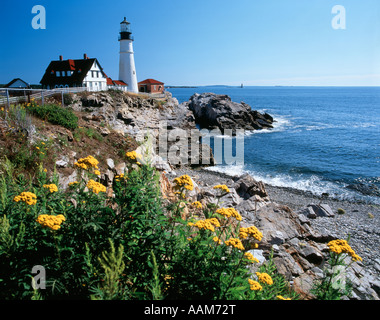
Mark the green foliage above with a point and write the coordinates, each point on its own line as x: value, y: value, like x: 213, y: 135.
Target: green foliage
x: 113, y: 265
x: 129, y: 246
x: 341, y: 211
x: 55, y: 114
x: 89, y: 132
x: 334, y: 284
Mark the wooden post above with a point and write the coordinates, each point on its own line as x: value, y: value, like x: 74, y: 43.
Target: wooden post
x: 63, y: 103
x: 42, y: 97
x: 7, y: 97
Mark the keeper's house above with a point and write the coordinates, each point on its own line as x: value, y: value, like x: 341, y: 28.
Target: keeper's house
x: 151, y: 86
x: 86, y: 72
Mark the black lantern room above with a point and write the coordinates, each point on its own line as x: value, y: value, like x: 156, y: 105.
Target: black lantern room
x: 125, y: 30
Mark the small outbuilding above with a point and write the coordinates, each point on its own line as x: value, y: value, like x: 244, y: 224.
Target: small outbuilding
x: 18, y: 83
x: 151, y: 86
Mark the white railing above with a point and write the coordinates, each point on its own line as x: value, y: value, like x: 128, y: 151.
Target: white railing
x: 37, y: 94
x: 40, y: 94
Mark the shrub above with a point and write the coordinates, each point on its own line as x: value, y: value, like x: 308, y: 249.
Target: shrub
x: 55, y: 114
x: 341, y: 211
x: 130, y: 246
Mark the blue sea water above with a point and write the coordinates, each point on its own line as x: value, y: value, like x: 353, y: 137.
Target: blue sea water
x: 325, y: 139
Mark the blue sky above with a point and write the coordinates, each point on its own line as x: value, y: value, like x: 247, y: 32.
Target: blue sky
x: 201, y: 42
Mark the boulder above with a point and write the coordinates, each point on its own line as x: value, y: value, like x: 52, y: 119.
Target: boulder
x: 312, y: 211
x: 278, y: 223
x: 312, y: 254
x: 110, y: 163
x: 218, y: 111
x: 246, y: 186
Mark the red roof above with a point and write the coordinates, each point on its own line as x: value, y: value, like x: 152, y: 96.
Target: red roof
x: 71, y: 64
x: 150, y: 81
x: 120, y: 83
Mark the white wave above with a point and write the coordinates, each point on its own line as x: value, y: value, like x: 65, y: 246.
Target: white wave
x: 323, y: 126
x: 233, y: 171
x: 313, y: 184
x: 281, y: 124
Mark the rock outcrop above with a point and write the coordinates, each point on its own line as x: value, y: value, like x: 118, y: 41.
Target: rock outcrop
x: 218, y: 111
x: 300, y: 252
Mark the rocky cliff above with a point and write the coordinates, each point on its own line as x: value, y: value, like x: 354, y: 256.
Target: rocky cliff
x: 300, y: 252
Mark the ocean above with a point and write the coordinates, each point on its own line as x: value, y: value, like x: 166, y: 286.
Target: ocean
x: 324, y: 140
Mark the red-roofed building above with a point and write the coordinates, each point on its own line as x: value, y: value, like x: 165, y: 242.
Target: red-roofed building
x: 151, y: 86
x: 116, y: 84
x: 84, y: 72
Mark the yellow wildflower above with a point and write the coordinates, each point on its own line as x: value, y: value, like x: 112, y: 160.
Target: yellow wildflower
x: 222, y: 187
x: 264, y: 278
x: 217, y: 240
x: 208, y: 224
x: 236, y: 243
x: 250, y: 231
x: 197, y: 204
x: 52, y: 187
x: 50, y: 221
x: 87, y: 163
x: 250, y: 257
x: 229, y: 212
x: 254, y: 285
x: 342, y: 246
x: 97, y: 172
x: 282, y: 298
x: 133, y: 156
x: 28, y: 197
x: 96, y: 187
x: 71, y: 184
x: 183, y: 182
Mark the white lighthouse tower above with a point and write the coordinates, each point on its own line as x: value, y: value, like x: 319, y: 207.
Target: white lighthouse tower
x: 127, y: 70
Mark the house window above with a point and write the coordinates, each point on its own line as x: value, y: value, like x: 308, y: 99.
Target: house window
x: 58, y: 73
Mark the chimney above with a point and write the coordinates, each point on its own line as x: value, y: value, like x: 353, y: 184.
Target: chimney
x: 85, y: 56
x: 61, y: 58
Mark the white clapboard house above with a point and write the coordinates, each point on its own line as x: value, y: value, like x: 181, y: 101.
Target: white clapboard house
x: 86, y: 72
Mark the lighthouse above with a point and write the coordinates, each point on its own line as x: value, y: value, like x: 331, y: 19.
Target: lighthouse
x: 127, y: 70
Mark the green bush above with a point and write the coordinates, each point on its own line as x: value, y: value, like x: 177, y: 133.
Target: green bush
x: 130, y: 246
x: 341, y: 211
x: 55, y: 114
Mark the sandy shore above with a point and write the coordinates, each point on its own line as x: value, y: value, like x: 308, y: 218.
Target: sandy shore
x: 360, y: 222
